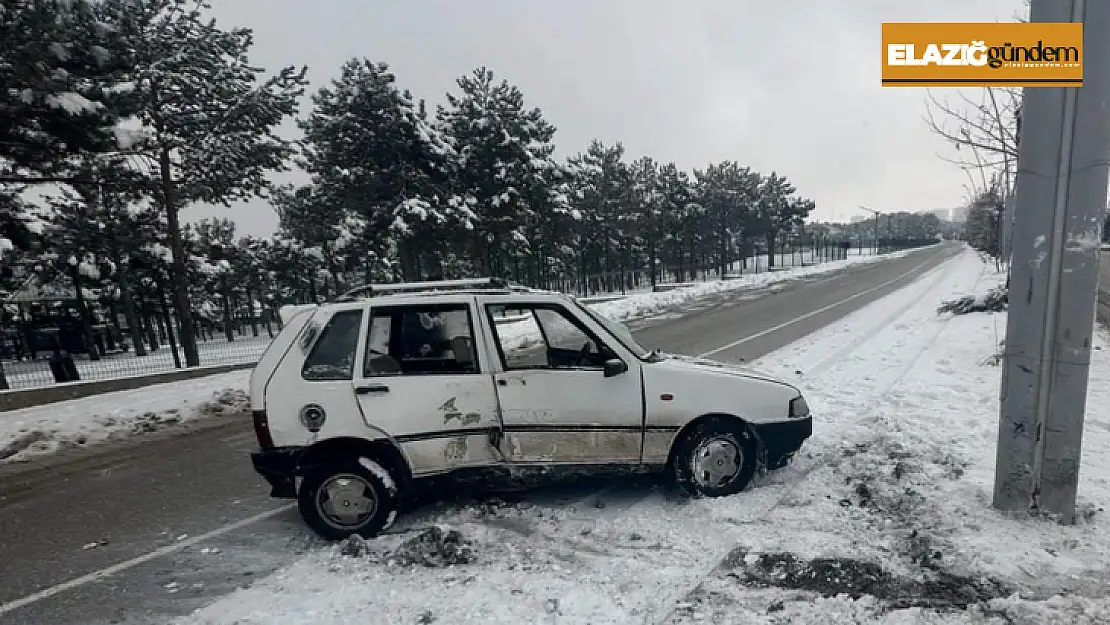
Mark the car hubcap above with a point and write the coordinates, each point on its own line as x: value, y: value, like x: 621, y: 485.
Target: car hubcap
x: 716, y: 462
x: 346, y: 500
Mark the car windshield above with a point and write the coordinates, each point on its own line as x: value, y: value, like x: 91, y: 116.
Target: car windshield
x: 618, y: 330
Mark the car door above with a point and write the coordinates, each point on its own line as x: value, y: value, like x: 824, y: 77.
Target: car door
x: 557, y: 404
x: 421, y: 378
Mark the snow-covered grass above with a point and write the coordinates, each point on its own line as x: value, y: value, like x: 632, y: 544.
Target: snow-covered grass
x: 636, y: 304
x: 893, y: 492
x: 45, y: 429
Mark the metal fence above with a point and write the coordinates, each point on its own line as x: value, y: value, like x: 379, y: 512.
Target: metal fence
x: 249, y: 340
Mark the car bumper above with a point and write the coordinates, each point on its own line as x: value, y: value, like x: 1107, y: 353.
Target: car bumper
x: 782, y: 439
x: 278, y: 466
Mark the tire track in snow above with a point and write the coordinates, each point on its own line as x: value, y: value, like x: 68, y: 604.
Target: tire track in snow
x: 838, y: 356
x: 823, y: 458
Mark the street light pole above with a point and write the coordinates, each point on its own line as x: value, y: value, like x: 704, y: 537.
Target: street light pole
x: 875, y: 246
x: 1061, y: 182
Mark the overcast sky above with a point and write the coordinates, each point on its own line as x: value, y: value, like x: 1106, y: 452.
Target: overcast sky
x: 784, y: 85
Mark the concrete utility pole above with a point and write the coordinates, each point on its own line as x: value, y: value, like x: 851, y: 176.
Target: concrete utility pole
x: 1062, y: 181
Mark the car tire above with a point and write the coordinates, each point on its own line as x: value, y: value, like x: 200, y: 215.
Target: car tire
x: 716, y: 458
x: 341, y: 500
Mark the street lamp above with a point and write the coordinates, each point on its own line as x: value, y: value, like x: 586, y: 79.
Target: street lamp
x: 876, y: 214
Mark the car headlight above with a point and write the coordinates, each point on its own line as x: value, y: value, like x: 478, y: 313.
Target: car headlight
x: 798, y: 407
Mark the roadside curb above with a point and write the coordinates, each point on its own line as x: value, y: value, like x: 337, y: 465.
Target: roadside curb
x: 26, y: 398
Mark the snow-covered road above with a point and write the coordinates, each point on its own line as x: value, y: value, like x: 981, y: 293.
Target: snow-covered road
x: 884, y: 519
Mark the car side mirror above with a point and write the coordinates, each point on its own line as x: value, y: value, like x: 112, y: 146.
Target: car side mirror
x: 614, y: 366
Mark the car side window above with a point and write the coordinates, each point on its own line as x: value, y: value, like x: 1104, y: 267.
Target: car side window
x: 545, y: 337
x: 519, y: 337
x: 415, y: 340
x: 333, y: 356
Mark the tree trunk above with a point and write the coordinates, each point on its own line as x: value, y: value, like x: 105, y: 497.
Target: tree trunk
x: 86, y: 316
x: 178, y: 276
x: 133, y: 327
x: 148, y: 327
x: 228, y: 320
x: 167, y: 319
x: 770, y: 251
x: 680, y: 263
x: 250, y: 311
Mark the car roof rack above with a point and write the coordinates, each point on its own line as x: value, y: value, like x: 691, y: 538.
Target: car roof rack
x: 428, y: 286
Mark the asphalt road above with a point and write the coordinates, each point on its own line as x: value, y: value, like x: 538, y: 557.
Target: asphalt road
x: 125, y: 533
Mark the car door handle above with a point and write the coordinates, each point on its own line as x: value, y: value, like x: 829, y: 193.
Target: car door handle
x: 371, y: 388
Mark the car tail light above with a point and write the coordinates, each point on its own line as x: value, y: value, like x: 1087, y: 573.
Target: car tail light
x: 262, y: 430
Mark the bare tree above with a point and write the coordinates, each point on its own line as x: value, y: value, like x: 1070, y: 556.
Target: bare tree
x: 983, y: 132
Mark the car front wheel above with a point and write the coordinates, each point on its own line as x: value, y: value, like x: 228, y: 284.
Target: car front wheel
x: 342, y: 500
x: 716, y: 458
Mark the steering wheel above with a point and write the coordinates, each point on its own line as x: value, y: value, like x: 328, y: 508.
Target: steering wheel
x: 583, y: 354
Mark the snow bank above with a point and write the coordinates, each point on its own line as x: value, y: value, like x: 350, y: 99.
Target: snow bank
x: 45, y: 429
x: 884, y: 518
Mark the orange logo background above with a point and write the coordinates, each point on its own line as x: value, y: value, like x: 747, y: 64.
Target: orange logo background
x: 979, y: 55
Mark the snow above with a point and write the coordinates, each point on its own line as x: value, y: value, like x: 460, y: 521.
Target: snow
x: 73, y: 103
x: 379, y: 472
x: 88, y: 269
x: 898, y: 475
x: 38, y: 430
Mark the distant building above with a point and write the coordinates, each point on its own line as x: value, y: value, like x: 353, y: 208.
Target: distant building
x: 959, y: 214
x: 855, y: 219
x: 942, y: 214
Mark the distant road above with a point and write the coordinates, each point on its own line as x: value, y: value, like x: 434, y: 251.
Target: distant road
x: 131, y: 502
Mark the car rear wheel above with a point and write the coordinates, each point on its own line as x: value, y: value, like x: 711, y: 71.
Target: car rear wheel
x: 342, y: 500
x: 716, y: 458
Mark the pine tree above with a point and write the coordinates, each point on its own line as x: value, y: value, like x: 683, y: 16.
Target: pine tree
x: 603, y: 180
x: 648, y: 204
x: 374, y: 156
x: 681, y: 216
x: 774, y: 214
x: 57, y: 57
x: 208, y: 116
x: 728, y: 193
x: 505, y: 165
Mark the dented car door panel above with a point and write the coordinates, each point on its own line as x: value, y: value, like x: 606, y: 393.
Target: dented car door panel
x: 562, y: 408
x: 441, y: 420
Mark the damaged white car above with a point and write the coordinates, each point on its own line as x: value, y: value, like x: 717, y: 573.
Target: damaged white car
x: 357, y: 402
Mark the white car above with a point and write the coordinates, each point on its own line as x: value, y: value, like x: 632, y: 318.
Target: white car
x: 362, y: 399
